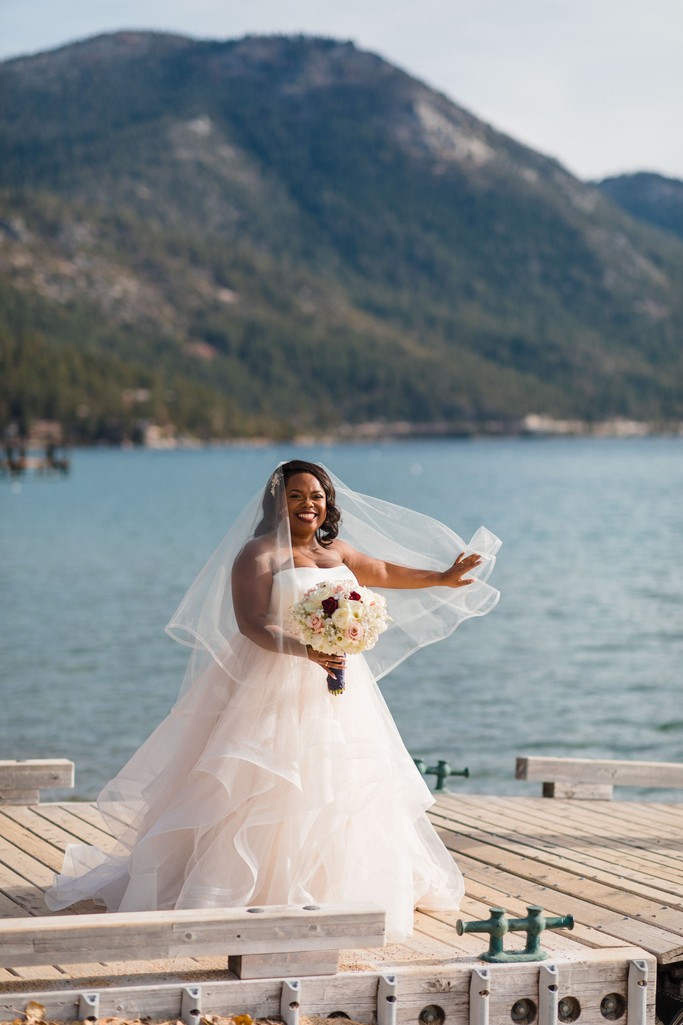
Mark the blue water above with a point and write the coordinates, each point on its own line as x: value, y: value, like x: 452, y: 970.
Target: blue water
x: 583, y: 656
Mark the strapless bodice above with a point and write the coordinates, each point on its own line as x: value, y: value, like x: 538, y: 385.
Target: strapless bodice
x: 291, y: 583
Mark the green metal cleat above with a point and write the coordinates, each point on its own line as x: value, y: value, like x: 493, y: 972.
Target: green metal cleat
x: 498, y: 925
x: 441, y: 770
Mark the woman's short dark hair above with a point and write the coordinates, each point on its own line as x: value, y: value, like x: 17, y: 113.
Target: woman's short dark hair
x: 273, y: 494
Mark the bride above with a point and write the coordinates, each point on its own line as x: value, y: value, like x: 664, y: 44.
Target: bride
x: 260, y: 787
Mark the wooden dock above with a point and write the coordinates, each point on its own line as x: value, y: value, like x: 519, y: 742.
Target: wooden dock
x: 616, y: 866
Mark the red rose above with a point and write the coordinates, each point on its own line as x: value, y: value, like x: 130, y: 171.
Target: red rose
x: 354, y: 596
x: 330, y: 606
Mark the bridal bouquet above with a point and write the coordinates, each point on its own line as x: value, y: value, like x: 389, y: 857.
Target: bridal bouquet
x: 339, y: 618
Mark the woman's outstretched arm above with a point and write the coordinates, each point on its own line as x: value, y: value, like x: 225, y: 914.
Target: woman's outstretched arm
x: 377, y: 573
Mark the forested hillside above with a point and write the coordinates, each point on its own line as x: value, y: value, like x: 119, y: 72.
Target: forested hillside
x: 649, y: 197
x: 288, y: 234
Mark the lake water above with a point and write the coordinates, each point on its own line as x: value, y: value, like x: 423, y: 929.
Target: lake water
x: 583, y: 656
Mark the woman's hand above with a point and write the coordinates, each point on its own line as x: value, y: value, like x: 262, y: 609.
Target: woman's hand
x: 453, y: 577
x: 329, y: 663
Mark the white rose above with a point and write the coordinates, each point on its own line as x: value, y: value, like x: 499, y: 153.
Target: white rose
x: 342, y: 617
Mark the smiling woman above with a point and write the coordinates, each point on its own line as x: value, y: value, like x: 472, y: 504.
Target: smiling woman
x: 259, y: 787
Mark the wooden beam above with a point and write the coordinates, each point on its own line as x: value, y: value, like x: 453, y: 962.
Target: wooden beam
x: 579, y: 791
x: 590, y: 976
x: 596, y: 772
x: 22, y: 781
x: 289, y: 964
x: 147, y: 935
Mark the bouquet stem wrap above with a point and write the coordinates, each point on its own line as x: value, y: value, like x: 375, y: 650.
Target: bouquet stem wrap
x: 336, y: 682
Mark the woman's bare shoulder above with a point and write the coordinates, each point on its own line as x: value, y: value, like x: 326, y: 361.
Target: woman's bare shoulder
x: 257, y: 551
x: 344, y: 550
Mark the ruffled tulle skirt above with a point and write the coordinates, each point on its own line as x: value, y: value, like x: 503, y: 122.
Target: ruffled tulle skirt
x: 267, y: 790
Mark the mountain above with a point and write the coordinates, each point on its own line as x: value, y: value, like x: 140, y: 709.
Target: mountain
x: 649, y: 197
x: 289, y: 234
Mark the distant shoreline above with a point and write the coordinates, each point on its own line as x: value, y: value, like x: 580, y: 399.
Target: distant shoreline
x: 532, y: 426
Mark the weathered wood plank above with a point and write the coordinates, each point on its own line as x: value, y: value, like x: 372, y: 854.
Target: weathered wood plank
x: 557, y: 891
x: 443, y: 945
x: 37, y: 847
x: 103, y: 937
x: 49, y: 973
x: 606, y: 834
x: 290, y: 964
x: 655, y: 845
x: 16, y: 796
x: 597, y: 771
x: 525, y: 861
x: 89, y: 812
x: 10, y: 908
x: 551, y: 871
x: 637, y: 823
x: 22, y: 781
x: 21, y: 895
x: 81, y: 821
x: 584, y: 932
x: 53, y: 823
x: 36, y: 772
x: 129, y: 972
x: 419, y: 949
x: 578, y: 791
x: 22, y: 864
x: 659, y: 871
x: 120, y: 973
x: 643, y: 817
x: 644, y: 825
x: 498, y: 830
x: 439, y: 941
x: 616, y: 928
x: 355, y: 994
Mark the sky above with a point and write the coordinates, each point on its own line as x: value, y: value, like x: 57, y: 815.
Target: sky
x: 597, y: 84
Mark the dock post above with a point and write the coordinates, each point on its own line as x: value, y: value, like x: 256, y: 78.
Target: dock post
x: 88, y: 1006
x: 637, y: 993
x: 547, y: 994
x: 386, y: 1000
x: 480, y: 982
x: 290, y: 1001
x: 191, y: 1005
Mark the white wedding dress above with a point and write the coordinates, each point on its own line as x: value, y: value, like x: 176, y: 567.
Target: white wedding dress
x: 262, y: 788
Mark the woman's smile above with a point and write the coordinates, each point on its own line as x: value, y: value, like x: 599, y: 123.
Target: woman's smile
x: 306, y: 502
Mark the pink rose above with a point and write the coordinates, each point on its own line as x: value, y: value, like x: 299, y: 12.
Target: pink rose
x: 315, y: 623
x: 354, y: 631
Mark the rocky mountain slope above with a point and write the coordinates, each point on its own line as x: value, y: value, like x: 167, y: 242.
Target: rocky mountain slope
x: 285, y: 234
